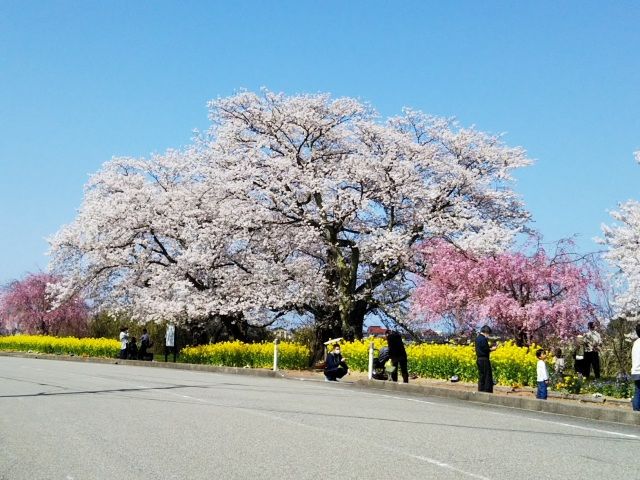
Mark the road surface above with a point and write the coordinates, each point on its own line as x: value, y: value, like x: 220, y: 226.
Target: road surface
x: 75, y: 421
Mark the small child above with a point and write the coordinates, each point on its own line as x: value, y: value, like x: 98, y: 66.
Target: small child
x: 543, y: 376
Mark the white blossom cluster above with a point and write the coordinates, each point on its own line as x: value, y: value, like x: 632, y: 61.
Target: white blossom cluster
x: 623, y: 241
x: 289, y: 203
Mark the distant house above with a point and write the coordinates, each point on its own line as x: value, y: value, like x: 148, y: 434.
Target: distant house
x: 431, y: 336
x: 376, y: 331
x: 282, y: 334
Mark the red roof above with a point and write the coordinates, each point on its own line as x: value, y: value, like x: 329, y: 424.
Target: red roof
x: 376, y: 330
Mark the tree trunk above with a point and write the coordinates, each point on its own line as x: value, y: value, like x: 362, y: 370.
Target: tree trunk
x: 43, y: 327
x: 327, y: 327
x: 236, y: 326
x: 351, y: 315
x: 355, y: 324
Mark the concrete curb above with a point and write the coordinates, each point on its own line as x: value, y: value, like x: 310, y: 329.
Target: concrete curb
x: 628, y: 417
x: 605, y: 414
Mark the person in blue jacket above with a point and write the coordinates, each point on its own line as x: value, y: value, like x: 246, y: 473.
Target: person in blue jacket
x: 336, y: 366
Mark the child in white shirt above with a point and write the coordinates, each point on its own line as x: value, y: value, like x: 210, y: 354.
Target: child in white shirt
x: 542, y: 375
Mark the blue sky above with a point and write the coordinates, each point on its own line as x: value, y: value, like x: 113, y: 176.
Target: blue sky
x: 81, y: 82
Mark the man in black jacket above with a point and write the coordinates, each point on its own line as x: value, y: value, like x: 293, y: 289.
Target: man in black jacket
x: 398, y: 356
x: 485, y: 375
x: 336, y: 367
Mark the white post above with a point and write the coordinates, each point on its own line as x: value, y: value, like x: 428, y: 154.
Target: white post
x: 276, y: 342
x: 371, y: 361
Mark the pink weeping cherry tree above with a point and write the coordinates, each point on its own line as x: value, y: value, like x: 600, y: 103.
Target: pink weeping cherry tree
x: 528, y: 297
x: 26, y: 306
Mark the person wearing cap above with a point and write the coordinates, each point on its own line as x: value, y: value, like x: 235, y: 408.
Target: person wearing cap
x: 485, y: 374
x: 336, y: 366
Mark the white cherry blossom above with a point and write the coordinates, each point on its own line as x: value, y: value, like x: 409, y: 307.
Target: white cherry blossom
x: 302, y: 203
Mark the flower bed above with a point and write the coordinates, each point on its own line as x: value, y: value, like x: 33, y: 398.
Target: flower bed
x: 88, y: 347
x: 512, y: 365
x: 621, y: 387
x: 254, y: 355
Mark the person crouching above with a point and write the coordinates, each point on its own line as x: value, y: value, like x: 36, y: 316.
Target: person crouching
x: 336, y: 366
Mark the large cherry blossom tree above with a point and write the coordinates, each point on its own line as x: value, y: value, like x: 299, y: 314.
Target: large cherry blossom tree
x: 26, y: 306
x: 304, y: 203
x: 528, y: 297
x: 623, y: 241
x: 361, y: 192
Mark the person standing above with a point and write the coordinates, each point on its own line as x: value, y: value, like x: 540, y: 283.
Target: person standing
x: 398, y: 356
x: 542, y: 375
x: 124, y: 341
x: 635, y: 370
x: 485, y: 374
x: 336, y: 366
x: 592, y: 343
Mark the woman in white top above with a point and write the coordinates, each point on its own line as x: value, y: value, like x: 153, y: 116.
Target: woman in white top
x: 124, y: 339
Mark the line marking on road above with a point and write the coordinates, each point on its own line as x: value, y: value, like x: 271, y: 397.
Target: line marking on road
x: 628, y: 435
x: 186, y: 396
x: 552, y: 422
x: 171, y: 393
x: 446, y: 466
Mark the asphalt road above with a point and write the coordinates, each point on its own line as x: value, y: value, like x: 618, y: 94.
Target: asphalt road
x: 74, y: 421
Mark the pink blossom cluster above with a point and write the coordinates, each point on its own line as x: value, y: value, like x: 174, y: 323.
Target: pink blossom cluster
x: 526, y: 296
x: 26, y: 306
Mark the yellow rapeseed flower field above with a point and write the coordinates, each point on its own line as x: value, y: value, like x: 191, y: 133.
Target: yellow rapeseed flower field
x: 88, y: 347
x: 512, y: 365
x: 254, y: 355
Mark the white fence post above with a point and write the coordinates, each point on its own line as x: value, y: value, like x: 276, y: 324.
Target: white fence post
x: 276, y: 342
x: 370, y: 360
